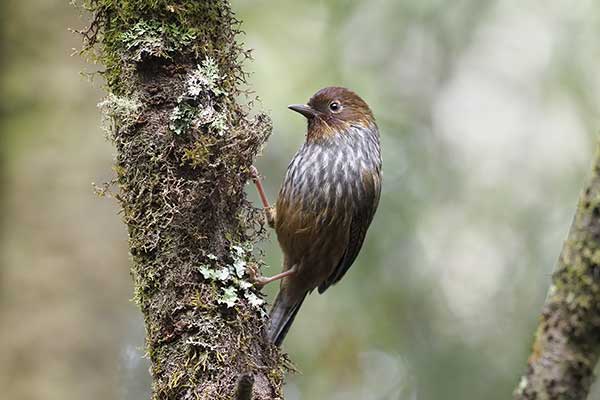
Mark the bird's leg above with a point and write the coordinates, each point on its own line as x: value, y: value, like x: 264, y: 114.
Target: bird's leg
x: 253, y: 272
x: 269, y: 211
x: 260, y: 281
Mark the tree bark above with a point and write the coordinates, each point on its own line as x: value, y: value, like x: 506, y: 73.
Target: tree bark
x: 184, y: 146
x: 567, y: 341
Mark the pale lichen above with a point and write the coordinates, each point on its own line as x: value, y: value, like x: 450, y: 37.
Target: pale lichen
x: 205, y: 77
x: 197, y: 106
x: 119, y: 112
x: 232, y: 277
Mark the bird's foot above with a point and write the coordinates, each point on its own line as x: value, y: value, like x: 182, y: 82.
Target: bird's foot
x: 270, y: 215
x: 259, y: 281
x: 255, y: 277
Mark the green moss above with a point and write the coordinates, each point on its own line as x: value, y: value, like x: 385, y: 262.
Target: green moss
x: 197, y: 155
x: 126, y: 32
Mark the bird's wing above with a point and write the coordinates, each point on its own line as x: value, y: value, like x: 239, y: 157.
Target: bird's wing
x: 361, y: 219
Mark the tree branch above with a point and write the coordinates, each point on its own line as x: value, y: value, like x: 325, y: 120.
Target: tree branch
x: 184, y: 147
x: 567, y: 342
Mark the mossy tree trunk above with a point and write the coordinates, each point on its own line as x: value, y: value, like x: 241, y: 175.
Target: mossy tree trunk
x: 184, y: 145
x: 567, y: 342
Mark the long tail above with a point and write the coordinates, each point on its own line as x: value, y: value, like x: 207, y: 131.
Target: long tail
x: 282, y: 315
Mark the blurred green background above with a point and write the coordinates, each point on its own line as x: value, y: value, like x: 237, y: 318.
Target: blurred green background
x: 488, y: 111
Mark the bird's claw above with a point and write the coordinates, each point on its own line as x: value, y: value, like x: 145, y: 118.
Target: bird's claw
x: 254, y: 173
x: 270, y: 216
x: 255, y: 277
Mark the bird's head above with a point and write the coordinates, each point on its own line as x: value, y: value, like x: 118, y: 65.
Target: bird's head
x: 333, y: 110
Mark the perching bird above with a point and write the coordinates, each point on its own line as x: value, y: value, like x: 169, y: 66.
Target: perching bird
x: 327, y: 200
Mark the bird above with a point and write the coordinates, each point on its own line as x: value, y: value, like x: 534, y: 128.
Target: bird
x: 326, y: 203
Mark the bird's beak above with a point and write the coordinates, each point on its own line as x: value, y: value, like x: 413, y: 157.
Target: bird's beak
x: 303, y: 109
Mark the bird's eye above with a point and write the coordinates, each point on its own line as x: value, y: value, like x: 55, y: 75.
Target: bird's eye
x: 335, y: 106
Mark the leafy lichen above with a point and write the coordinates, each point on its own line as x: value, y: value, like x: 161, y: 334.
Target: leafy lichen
x: 205, y: 77
x: 196, y: 107
x: 182, y: 117
x: 232, y: 276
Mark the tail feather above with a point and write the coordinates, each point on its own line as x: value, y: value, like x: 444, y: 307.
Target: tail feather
x: 282, y: 315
